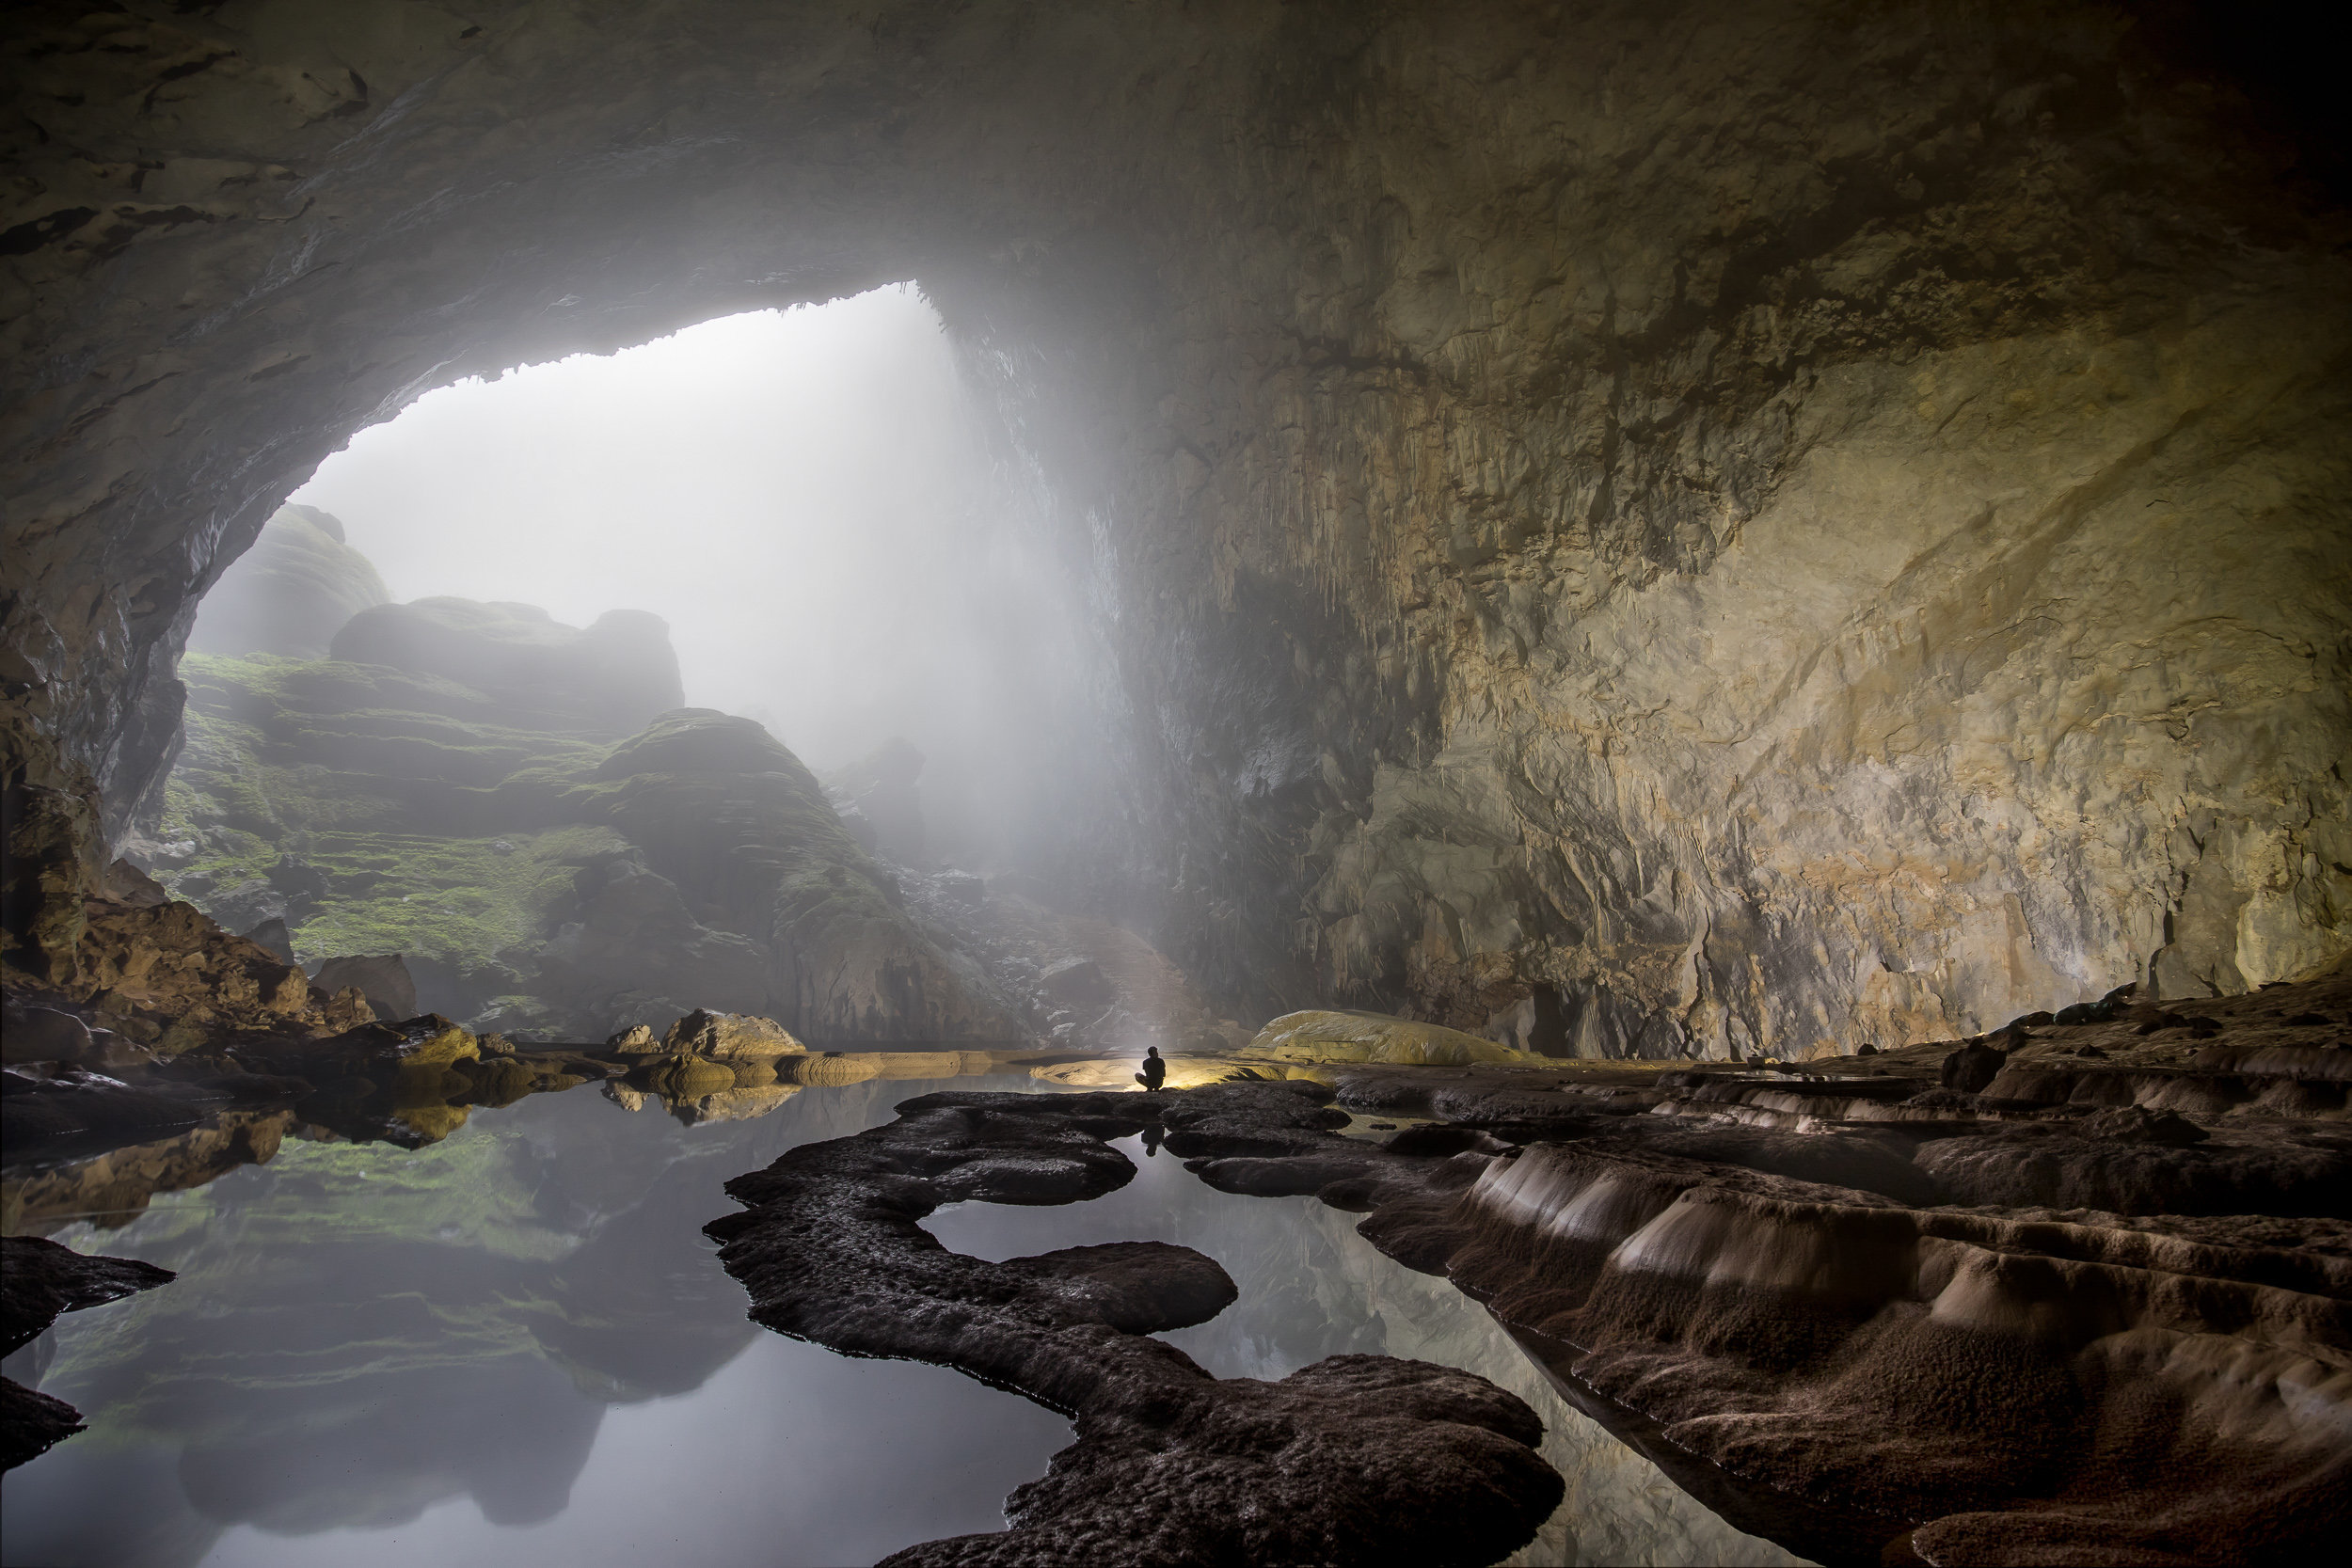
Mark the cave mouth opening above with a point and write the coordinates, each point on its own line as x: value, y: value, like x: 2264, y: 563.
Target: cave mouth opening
x: 799, y: 524
x: 808, y: 497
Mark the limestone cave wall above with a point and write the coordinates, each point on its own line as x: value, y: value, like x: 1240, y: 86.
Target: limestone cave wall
x: 1652, y: 528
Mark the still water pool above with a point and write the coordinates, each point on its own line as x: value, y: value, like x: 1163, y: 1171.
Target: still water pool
x: 515, y: 1346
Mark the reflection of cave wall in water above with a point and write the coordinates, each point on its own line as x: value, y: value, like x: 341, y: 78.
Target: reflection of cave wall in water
x: 1770, y: 523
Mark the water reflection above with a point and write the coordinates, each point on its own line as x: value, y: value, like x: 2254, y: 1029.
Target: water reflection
x: 1311, y: 1288
x: 501, y: 1347
x: 499, y: 1344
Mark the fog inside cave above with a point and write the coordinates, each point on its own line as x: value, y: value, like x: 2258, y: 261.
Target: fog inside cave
x: 810, y: 498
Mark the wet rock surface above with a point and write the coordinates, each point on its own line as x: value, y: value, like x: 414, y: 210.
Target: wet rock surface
x: 1861, y: 1312
x: 1354, y: 1458
x: 41, y: 1280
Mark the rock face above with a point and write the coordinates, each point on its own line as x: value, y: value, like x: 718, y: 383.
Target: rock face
x: 1740, y: 525
x: 1171, y: 1464
x: 449, y: 786
x: 291, y: 592
x: 381, y: 977
x: 745, y: 831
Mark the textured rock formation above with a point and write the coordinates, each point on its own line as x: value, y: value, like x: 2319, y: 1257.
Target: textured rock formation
x: 1356, y: 1459
x: 1858, y: 1312
x: 1316, y: 1036
x: 1724, y: 527
x: 291, y: 592
x: 728, y: 1037
x: 381, y: 977
x: 733, y: 818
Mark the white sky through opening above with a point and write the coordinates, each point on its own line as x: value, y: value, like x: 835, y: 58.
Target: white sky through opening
x: 800, y: 494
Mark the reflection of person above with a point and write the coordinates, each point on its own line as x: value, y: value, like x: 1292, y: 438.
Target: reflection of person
x: 1155, y: 1071
x: 1152, y: 1136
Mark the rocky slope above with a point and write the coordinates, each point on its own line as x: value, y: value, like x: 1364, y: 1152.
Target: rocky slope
x: 1705, y: 528
x: 448, y: 787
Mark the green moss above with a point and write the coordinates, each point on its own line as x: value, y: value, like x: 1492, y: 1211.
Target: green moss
x: 443, y: 898
x: 441, y: 829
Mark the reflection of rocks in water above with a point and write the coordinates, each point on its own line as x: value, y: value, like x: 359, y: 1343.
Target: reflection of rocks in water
x: 384, y: 1449
x: 1310, y: 1286
x: 360, y: 1332
x: 115, y: 1188
x: 698, y: 1089
x: 1300, y: 1470
x: 39, y: 1282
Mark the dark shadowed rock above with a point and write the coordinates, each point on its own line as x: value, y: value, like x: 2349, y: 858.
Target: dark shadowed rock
x: 2151, y: 1169
x: 1076, y: 981
x: 1972, y: 1069
x: 272, y: 936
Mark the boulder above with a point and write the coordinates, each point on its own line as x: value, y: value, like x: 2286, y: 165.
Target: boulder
x: 382, y: 978
x: 273, y: 936
x: 127, y: 884
x: 290, y: 593
x: 1972, y: 1069
x: 727, y: 1036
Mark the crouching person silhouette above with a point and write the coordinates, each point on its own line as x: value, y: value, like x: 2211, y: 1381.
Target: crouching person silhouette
x: 1155, y: 1071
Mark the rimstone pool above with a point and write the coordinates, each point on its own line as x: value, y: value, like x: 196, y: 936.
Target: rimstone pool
x: 515, y: 1345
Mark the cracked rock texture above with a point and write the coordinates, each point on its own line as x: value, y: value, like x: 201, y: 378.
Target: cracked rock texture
x: 1699, y: 528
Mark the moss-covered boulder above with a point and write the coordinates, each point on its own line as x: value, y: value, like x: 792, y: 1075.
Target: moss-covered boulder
x: 291, y: 592
x: 729, y: 815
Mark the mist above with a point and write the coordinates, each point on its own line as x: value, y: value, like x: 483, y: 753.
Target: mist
x: 806, y: 497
